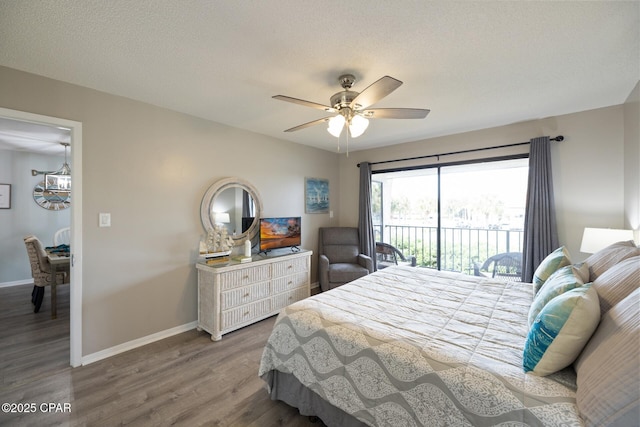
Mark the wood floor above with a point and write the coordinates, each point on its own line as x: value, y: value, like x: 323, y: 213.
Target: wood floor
x: 183, y: 380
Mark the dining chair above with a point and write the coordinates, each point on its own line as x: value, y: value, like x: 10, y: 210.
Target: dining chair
x: 62, y: 237
x: 40, y: 270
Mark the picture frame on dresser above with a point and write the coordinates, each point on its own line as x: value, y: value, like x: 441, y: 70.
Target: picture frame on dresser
x: 5, y: 196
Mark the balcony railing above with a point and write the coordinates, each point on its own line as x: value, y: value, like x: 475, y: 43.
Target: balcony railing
x: 460, y: 247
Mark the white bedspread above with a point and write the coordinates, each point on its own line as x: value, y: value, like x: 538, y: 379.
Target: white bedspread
x: 412, y: 346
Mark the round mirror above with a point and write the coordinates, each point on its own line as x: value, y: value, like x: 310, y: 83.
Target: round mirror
x: 235, y: 204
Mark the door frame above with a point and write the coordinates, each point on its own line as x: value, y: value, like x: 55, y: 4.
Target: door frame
x: 75, y: 291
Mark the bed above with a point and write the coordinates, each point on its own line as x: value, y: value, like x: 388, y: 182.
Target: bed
x: 410, y: 346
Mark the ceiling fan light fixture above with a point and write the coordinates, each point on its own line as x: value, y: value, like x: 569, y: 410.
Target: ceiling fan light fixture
x: 357, y: 126
x: 336, y: 124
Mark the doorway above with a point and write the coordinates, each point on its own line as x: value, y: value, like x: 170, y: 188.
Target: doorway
x: 75, y: 303
x: 452, y: 217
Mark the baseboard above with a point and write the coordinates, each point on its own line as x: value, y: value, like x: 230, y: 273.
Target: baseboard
x: 16, y: 283
x: 121, y: 348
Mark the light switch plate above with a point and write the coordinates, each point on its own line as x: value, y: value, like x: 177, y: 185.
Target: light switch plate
x: 105, y: 220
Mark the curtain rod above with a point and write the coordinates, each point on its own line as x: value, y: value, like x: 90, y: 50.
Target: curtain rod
x: 557, y: 138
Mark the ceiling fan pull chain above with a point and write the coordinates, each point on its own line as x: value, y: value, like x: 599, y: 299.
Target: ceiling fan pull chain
x: 347, y: 132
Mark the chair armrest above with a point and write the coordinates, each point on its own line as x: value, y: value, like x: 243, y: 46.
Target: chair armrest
x: 323, y: 272
x: 366, y: 262
x: 476, y: 269
x: 414, y: 261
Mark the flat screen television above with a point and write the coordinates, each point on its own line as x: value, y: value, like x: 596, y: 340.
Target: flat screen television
x: 280, y: 232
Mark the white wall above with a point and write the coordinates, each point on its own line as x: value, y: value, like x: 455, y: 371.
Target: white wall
x: 587, y: 167
x: 149, y: 167
x: 25, y: 216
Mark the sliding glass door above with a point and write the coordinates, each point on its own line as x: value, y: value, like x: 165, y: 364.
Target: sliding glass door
x: 452, y: 217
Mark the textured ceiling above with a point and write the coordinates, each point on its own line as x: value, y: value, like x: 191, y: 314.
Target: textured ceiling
x: 474, y: 64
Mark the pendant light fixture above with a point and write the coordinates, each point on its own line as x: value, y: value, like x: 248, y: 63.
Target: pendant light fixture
x: 59, y: 180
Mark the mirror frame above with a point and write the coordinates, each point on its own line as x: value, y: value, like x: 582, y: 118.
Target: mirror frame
x: 216, y: 189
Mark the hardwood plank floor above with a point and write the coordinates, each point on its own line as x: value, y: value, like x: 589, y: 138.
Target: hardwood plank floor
x: 183, y: 380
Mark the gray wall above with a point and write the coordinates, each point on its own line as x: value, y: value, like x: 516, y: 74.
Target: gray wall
x: 588, y: 167
x: 25, y: 216
x: 632, y: 162
x: 149, y: 167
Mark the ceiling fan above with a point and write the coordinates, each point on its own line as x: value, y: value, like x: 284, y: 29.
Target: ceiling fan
x: 352, y: 107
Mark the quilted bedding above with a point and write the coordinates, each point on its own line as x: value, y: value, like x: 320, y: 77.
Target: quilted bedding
x: 410, y: 346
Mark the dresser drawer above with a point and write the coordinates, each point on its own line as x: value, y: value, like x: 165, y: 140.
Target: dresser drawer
x: 235, y: 294
x: 245, y: 313
x: 244, y: 295
x: 244, y: 276
x: 288, y: 283
x: 282, y: 300
x: 287, y: 267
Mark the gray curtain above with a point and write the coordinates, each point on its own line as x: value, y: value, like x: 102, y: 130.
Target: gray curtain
x: 247, y: 204
x: 540, y: 230
x: 365, y: 217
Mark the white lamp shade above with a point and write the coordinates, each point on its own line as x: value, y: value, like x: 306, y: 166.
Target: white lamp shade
x: 595, y: 239
x: 336, y: 123
x: 222, y: 218
x: 357, y: 126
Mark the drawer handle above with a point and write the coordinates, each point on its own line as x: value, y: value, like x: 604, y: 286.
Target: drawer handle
x: 246, y: 313
x: 246, y: 295
x: 290, y: 266
x: 245, y: 277
x: 290, y: 282
x: 290, y: 298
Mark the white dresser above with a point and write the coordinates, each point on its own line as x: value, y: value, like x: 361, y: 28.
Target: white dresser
x: 234, y: 295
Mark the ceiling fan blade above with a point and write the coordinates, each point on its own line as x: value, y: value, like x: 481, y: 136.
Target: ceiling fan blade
x: 395, y: 113
x: 376, y: 91
x: 305, y: 103
x: 308, y: 124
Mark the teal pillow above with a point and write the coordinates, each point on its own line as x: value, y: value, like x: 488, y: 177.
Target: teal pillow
x: 561, y: 331
x: 555, y: 260
x: 563, y: 280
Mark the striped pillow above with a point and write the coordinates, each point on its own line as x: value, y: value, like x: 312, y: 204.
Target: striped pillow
x: 561, y: 331
x: 606, y: 258
x: 617, y: 282
x: 607, y: 369
x: 555, y: 260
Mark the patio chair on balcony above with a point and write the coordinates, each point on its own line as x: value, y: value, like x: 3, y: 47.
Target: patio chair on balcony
x: 387, y: 255
x: 505, y: 266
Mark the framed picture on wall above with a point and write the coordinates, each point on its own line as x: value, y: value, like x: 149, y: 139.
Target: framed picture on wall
x: 5, y: 196
x: 316, y: 195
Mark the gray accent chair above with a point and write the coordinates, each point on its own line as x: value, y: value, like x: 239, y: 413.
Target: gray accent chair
x: 340, y: 260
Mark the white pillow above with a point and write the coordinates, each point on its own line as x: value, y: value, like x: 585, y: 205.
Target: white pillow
x: 617, y: 282
x: 607, y: 369
x: 561, y: 330
x: 606, y: 258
